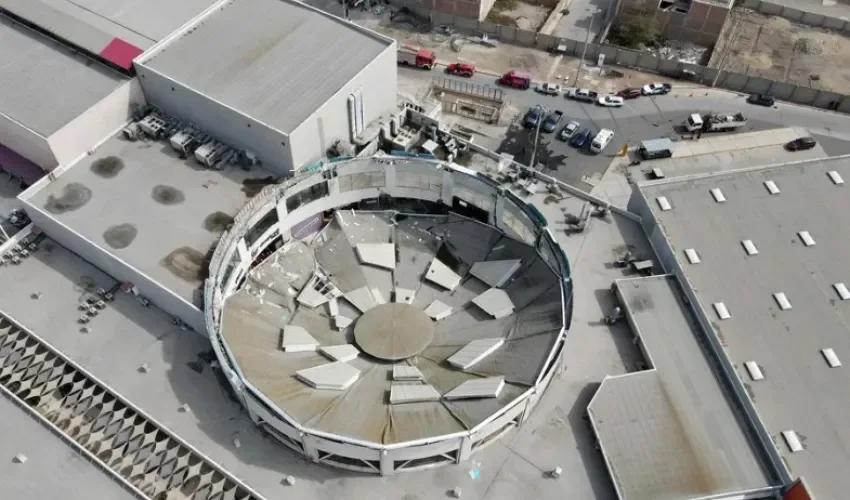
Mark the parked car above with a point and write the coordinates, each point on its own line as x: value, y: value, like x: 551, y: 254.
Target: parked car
x: 584, y: 95
x: 551, y: 122
x: 580, y: 139
x: 656, y: 89
x: 568, y: 130
x: 610, y: 101
x: 801, y: 143
x: 630, y: 93
x: 533, y: 116
x: 761, y: 99
x: 549, y: 89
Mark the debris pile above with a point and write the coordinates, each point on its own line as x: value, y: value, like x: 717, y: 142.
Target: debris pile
x: 675, y: 50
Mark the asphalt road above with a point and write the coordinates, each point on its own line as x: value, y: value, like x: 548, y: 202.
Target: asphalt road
x: 641, y: 119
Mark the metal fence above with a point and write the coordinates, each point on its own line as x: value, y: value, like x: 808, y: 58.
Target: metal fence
x: 468, y: 88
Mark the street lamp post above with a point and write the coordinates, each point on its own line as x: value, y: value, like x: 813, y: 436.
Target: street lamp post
x: 584, y: 51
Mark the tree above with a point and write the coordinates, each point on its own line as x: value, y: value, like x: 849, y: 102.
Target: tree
x: 635, y: 31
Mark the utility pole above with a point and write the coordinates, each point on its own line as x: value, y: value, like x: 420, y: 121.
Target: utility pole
x: 584, y: 52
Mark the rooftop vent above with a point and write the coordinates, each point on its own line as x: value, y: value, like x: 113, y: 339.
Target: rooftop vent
x: 782, y: 300
x: 792, y: 441
x: 754, y: 371
x: 806, y: 238
x: 835, y: 177
x: 771, y: 187
x: 750, y: 247
x: 692, y: 255
x: 663, y: 203
x: 718, y: 195
x: 720, y: 309
x: 841, y: 290
x: 830, y: 357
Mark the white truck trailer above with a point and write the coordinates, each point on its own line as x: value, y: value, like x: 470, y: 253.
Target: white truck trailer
x: 715, y: 122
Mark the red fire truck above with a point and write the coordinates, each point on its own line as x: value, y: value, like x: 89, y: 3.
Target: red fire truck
x: 516, y: 79
x: 420, y: 58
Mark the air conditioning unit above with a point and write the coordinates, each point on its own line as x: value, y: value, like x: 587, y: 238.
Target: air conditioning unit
x: 209, y: 153
x: 152, y: 125
x: 183, y: 142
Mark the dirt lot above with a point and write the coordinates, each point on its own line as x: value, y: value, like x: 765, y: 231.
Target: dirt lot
x: 522, y: 15
x: 503, y: 57
x: 775, y: 48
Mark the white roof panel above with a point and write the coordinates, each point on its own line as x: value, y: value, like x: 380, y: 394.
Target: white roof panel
x: 297, y: 339
x: 495, y: 302
x: 332, y: 377
x: 489, y: 387
x: 806, y: 238
x: 782, y: 300
x: 754, y: 370
x: 771, y: 186
x: 473, y: 352
x: 835, y: 177
x: 792, y: 441
x: 720, y: 309
x: 841, y: 290
x: 341, y: 322
x: 377, y: 254
x: 750, y: 247
x: 831, y: 358
x: 692, y: 255
x: 404, y: 295
x: 361, y: 298
x: 440, y: 274
x: 406, y: 373
x: 406, y: 392
x: 718, y: 195
x: 495, y: 272
x: 438, y: 310
x: 342, y: 352
x: 663, y: 203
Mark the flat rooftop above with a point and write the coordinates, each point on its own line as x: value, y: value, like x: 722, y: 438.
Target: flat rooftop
x: 671, y: 432
x: 125, y: 335
x: 254, y: 316
x: 141, y: 23
x: 281, y: 70
x: 53, y: 469
x: 799, y: 392
x: 44, y: 85
x: 157, y: 212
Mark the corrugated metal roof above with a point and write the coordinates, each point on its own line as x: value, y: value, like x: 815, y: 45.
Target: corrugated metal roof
x: 279, y: 71
x: 43, y: 85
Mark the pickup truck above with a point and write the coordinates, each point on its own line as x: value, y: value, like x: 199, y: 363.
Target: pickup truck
x: 551, y: 122
x: 549, y: 89
x: 585, y: 95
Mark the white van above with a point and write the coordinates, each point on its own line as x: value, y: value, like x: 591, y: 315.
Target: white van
x: 601, y: 140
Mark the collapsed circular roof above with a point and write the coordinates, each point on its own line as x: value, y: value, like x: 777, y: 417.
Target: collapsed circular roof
x: 388, y: 327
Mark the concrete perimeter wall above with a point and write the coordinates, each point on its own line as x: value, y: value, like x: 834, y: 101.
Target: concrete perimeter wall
x: 641, y: 61
x: 841, y: 25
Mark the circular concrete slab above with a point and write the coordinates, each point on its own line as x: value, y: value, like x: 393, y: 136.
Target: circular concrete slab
x: 394, y: 331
